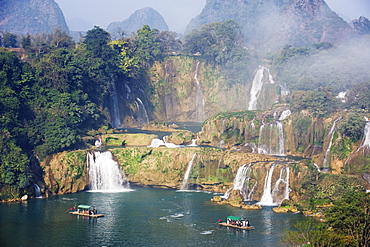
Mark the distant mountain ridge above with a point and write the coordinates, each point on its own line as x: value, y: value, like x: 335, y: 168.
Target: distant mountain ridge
x: 31, y: 16
x: 141, y: 17
x: 270, y: 24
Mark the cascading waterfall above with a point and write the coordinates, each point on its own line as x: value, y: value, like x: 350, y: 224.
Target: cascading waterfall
x: 266, y: 198
x: 257, y: 87
x: 115, y: 113
x: 330, y: 137
x: 37, y: 191
x: 241, y: 182
x: 104, y: 173
x: 142, y: 115
x: 199, y: 98
x: 185, y: 181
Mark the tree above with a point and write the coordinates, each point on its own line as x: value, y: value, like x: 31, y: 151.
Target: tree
x: 353, y: 126
x: 350, y: 216
x: 359, y: 96
x: 168, y: 42
x: 9, y: 40
x: 347, y: 223
x: 147, y: 46
x: 217, y: 42
x: 26, y: 42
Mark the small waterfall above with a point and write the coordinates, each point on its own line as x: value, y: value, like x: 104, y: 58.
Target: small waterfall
x: 128, y: 91
x: 98, y: 143
x: 115, y: 113
x: 193, y: 143
x: 142, y: 116
x: 37, y: 191
x: 284, y: 91
x: 185, y: 185
x: 199, y: 98
x: 241, y: 182
x: 271, y: 139
x: 257, y: 87
x: 342, y: 97
x: 330, y: 137
x: 281, y: 189
x: 285, y: 114
x: 266, y: 198
x: 158, y: 143
x: 366, y: 143
x: 104, y: 173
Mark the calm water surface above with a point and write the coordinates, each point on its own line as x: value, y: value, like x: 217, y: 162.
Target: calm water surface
x: 142, y: 217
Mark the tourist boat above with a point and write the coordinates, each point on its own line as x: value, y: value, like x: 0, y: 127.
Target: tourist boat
x: 85, y: 210
x: 236, y: 222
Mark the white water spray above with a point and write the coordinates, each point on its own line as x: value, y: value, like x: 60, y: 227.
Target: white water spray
x: 266, y: 198
x: 105, y: 174
x: 185, y: 185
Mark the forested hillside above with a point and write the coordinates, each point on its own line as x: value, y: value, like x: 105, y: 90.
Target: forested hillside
x: 58, y: 94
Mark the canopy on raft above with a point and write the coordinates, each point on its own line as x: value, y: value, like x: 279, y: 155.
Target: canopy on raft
x: 84, y: 207
x: 234, y: 218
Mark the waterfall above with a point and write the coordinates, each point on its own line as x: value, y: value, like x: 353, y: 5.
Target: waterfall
x: 266, y: 198
x: 199, y: 98
x: 128, y: 91
x: 285, y: 114
x: 142, y: 116
x: 185, y: 185
x: 366, y: 143
x: 241, y: 182
x: 104, y: 173
x: 257, y: 87
x: 115, y: 114
x: 37, y: 191
x: 98, y: 143
x: 158, y: 143
x: 284, y: 91
x: 330, y: 137
x: 193, y: 143
x: 271, y: 139
x: 279, y: 194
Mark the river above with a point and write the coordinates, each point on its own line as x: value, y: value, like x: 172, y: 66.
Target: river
x: 141, y: 217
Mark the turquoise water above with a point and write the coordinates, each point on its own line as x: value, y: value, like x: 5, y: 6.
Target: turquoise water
x: 142, y: 217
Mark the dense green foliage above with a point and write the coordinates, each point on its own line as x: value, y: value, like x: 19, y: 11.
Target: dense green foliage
x: 221, y: 43
x: 347, y: 223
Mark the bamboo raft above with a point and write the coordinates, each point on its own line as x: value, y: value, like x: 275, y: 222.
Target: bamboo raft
x: 236, y: 226
x: 88, y: 215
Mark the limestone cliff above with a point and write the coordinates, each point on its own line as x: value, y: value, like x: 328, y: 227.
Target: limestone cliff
x: 64, y: 173
x: 270, y: 24
x: 31, y: 16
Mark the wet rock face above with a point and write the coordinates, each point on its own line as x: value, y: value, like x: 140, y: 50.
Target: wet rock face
x: 65, y: 173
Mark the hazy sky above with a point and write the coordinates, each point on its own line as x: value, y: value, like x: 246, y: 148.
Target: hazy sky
x: 84, y: 14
